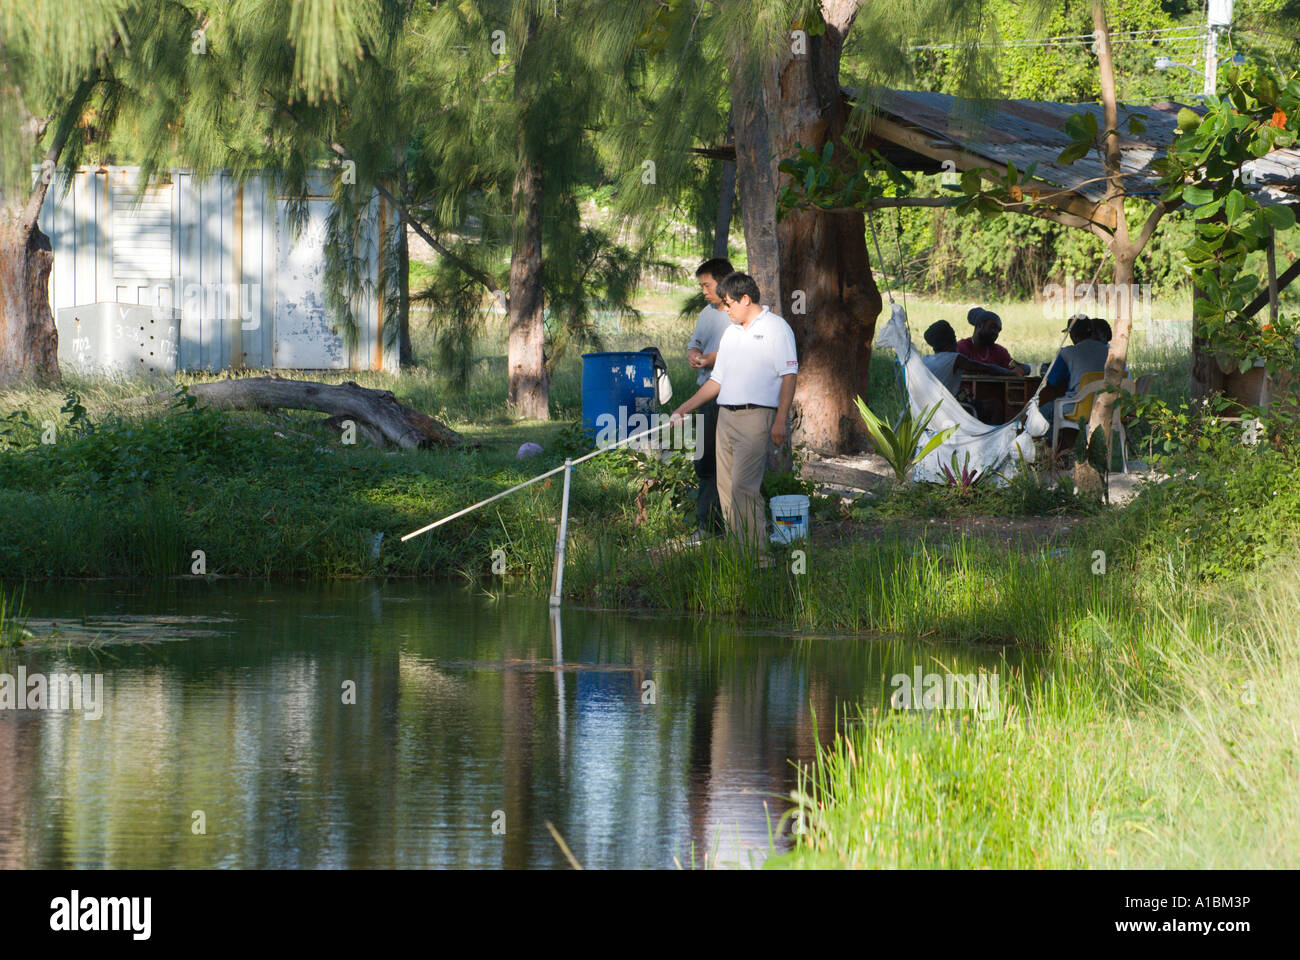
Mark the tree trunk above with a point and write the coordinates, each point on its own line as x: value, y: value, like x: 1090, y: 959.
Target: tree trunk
x: 526, y: 348
x: 1207, y: 375
x: 405, y: 354
x: 813, y: 264
x: 29, y: 342
x: 756, y: 176
x: 529, y: 385
x: 377, y: 414
x: 1117, y: 357
x: 1122, y: 250
x: 726, y: 201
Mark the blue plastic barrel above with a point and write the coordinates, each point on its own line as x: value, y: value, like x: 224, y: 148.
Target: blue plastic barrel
x: 620, y: 386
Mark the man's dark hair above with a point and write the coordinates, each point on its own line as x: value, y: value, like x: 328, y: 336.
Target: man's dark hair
x: 736, y: 285
x: 940, y: 334
x: 1101, y: 329
x: 1081, y: 328
x: 717, y: 268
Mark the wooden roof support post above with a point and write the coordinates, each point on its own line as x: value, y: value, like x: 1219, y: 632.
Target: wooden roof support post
x: 1271, y: 256
x: 1287, y: 275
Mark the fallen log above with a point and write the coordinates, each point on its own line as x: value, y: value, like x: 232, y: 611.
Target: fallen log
x: 378, y: 416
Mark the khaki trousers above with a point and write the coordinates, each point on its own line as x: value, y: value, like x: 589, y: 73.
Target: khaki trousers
x: 742, y: 441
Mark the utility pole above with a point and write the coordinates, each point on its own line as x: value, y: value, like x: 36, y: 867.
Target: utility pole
x: 1218, y: 18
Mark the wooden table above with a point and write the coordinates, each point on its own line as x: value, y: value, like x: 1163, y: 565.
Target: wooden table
x: 1006, y: 396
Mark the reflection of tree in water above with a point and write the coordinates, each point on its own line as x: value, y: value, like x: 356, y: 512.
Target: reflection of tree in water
x: 459, y: 711
x: 20, y: 744
x: 518, y: 690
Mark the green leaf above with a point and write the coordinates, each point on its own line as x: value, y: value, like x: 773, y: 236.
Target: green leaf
x: 1098, y: 451
x: 1209, y: 210
x: 1188, y: 120
x: 936, y: 441
x: 1233, y: 204
x: 1195, y: 196
x: 1279, y: 217
x: 1073, y: 152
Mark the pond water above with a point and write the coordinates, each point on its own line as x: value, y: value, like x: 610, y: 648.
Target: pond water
x: 225, y: 739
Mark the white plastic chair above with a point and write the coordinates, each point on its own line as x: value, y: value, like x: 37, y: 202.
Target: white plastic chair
x: 1087, y: 389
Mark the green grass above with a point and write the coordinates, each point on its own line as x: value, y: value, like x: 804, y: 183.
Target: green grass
x: 1159, y: 726
x: 280, y: 496
x: 938, y: 587
x: 1172, y: 745
x: 12, y: 631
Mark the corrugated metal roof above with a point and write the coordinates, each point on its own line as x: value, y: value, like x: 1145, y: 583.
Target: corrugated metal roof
x: 1028, y: 131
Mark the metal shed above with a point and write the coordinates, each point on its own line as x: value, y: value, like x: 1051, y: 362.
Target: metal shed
x: 215, y: 265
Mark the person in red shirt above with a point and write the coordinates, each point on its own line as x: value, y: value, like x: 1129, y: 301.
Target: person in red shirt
x: 982, y: 346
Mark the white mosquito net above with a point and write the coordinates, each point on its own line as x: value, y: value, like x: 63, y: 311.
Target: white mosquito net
x: 1000, y: 449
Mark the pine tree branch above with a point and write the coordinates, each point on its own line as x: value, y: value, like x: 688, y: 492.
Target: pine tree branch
x: 40, y: 125
x: 479, y: 276
x: 461, y: 264
x: 481, y: 80
x: 68, y: 120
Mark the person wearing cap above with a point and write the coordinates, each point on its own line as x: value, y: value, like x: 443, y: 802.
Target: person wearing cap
x: 982, y: 346
x: 947, y: 364
x: 753, y: 381
x: 701, y: 354
x: 1085, y: 355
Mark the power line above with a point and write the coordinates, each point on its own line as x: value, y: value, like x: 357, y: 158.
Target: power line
x: 1154, y: 35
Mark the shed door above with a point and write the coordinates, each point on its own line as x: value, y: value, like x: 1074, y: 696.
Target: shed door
x: 141, y: 247
x: 306, y: 338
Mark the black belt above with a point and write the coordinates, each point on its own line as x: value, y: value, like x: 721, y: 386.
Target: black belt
x: 745, y: 406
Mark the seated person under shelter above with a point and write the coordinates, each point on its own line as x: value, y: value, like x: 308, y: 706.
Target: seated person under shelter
x: 948, y: 365
x: 982, y: 345
x: 1087, y: 354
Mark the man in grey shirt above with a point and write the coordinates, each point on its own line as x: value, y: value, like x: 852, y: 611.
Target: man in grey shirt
x: 702, y: 353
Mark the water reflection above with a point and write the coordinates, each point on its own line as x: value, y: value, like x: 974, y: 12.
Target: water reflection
x: 471, y: 723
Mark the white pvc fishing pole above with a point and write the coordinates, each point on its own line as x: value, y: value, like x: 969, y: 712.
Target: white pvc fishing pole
x: 561, y: 538
x: 541, y: 476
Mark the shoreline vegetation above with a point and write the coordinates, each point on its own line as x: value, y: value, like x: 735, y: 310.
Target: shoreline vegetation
x: 93, y: 487
x: 1171, y: 745
x: 1161, y: 729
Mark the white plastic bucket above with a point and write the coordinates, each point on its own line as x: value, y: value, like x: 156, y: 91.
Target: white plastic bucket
x: 789, y: 518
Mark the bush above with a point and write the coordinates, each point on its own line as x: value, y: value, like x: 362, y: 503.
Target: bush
x: 1229, y: 505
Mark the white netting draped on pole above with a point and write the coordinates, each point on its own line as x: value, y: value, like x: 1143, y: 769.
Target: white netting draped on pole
x: 999, y: 448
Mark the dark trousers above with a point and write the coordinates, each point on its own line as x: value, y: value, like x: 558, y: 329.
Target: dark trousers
x: 708, y: 508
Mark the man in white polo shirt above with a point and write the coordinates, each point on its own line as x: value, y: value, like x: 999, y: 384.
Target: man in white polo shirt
x: 753, y: 381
